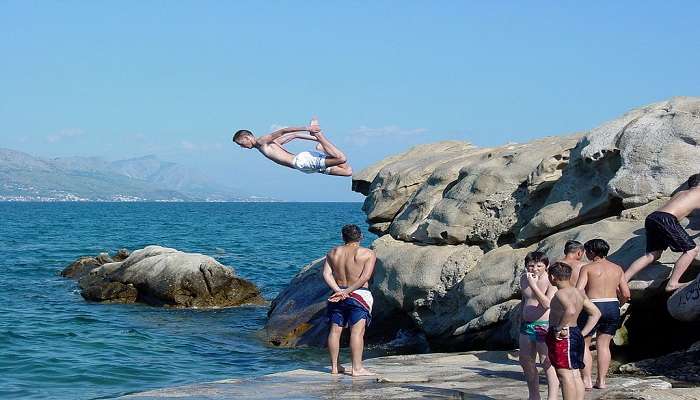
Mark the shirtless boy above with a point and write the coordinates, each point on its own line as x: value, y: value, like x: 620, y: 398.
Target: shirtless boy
x: 604, y: 283
x: 537, y: 293
x: 347, y: 270
x: 564, y: 338
x: 573, y: 255
x: 329, y: 160
x: 664, y: 231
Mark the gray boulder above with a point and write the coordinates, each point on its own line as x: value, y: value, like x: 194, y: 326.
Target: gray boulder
x: 167, y: 277
x: 397, y: 180
x: 658, y: 146
x: 684, y: 304
x: 297, y: 316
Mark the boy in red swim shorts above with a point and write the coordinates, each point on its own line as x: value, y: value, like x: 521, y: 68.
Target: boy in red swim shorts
x: 565, y: 342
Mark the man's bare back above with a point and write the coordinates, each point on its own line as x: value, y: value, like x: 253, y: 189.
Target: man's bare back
x: 601, y: 279
x: 682, y: 203
x: 347, y: 263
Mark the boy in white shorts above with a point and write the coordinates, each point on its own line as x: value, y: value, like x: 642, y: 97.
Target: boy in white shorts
x: 327, y: 160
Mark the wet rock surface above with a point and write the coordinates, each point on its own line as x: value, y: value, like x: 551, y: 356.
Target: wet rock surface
x: 476, y: 375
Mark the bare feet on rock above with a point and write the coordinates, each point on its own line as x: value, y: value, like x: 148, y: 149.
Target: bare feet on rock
x: 340, y: 370
x: 362, y: 372
x: 314, y: 127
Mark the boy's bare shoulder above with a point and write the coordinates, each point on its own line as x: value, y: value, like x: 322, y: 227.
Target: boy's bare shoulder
x: 365, y: 252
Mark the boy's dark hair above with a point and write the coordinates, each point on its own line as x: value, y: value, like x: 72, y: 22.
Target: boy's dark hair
x: 241, y: 133
x: 572, y: 246
x: 351, y: 233
x: 597, y: 247
x: 535, y: 257
x: 560, y: 271
x: 694, y: 181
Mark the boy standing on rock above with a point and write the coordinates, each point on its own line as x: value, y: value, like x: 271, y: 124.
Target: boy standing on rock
x: 605, y: 284
x: 663, y: 231
x: 347, y: 270
x: 564, y: 337
x: 536, y: 295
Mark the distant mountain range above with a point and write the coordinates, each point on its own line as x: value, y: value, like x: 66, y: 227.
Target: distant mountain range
x: 27, y: 178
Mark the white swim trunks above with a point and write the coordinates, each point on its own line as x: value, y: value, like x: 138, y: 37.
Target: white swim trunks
x: 310, y: 162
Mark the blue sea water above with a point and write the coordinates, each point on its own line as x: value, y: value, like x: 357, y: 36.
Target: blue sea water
x: 54, y: 344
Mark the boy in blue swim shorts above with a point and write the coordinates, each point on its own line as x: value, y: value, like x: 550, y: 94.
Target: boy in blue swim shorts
x: 604, y: 283
x: 346, y: 270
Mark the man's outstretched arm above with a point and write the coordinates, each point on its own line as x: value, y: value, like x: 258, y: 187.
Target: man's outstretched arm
x: 278, y: 133
x: 288, y: 137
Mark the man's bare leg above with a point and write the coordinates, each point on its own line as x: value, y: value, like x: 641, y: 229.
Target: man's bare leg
x: 340, y: 170
x: 334, y: 348
x: 678, y: 270
x: 587, y: 370
x: 357, y: 343
x: 550, y: 372
x: 603, y: 347
x: 641, y: 263
x: 528, y: 352
x: 335, y: 156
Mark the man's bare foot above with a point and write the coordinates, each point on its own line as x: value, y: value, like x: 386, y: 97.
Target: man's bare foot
x: 587, y: 384
x: 362, y: 372
x: 600, y: 386
x: 672, y: 288
x: 340, y: 370
x: 314, y: 127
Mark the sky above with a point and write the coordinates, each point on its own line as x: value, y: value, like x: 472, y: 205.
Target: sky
x: 175, y: 79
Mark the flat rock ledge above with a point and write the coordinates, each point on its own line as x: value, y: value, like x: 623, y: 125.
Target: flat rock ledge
x: 161, y: 276
x: 473, y: 375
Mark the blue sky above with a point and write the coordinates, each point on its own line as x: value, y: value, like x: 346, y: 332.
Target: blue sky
x: 175, y: 78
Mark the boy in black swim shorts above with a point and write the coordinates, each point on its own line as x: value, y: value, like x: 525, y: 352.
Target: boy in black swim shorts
x: 663, y: 230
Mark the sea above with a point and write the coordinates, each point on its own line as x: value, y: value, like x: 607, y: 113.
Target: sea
x: 56, y: 345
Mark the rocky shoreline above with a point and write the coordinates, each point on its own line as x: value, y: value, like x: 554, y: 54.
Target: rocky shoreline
x: 474, y: 375
x: 455, y: 222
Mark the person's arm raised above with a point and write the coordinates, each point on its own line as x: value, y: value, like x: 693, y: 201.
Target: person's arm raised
x: 283, y: 131
x: 288, y: 137
x: 541, y: 296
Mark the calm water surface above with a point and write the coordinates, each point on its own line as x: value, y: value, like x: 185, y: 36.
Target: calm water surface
x: 53, y: 344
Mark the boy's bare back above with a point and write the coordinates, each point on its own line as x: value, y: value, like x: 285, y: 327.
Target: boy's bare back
x: 682, y: 204
x: 347, y: 263
x: 600, y: 279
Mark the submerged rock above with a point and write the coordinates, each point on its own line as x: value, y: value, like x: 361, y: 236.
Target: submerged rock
x: 163, y: 276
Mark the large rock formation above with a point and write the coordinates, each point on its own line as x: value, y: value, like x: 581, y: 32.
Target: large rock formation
x: 161, y: 276
x: 456, y: 222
